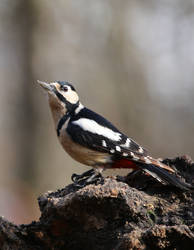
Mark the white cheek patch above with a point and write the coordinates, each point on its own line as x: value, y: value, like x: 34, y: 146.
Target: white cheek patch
x: 95, y: 128
x: 71, y: 96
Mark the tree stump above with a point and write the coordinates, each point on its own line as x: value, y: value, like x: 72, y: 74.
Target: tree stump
x: 129, y: 213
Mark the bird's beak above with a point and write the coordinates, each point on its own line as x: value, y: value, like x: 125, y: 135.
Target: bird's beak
x: 45, y: 85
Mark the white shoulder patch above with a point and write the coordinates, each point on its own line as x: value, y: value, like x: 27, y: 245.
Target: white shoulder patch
x: 104, y: 143
x: 95, y: 128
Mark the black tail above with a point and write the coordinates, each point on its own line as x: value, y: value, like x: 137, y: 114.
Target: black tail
x: 163, y: 176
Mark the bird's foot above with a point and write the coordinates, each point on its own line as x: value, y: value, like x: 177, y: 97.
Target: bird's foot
x: 85, y: 175
x: 88, y: 177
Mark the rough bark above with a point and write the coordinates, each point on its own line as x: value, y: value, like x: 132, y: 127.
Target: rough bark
x: 129, y: 213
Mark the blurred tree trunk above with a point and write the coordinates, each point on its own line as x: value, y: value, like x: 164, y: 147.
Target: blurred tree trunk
x: 127, y: 71
x: 23, y: 20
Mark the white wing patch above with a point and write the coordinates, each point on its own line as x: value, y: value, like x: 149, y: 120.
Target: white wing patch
x: 136, y: 158
x: 118, y: 149
x: 95, y: 128
x: 104, y: 143
x: 140, y: 150
x: 147, y: 161
x: 126, y: 144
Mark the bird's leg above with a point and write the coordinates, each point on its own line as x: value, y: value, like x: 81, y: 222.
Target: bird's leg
x: 89, y: 177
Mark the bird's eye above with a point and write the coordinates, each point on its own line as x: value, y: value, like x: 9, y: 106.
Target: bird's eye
x: 64, y: 88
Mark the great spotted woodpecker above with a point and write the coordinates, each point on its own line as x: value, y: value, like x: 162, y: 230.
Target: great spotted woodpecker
x: 92, y: 140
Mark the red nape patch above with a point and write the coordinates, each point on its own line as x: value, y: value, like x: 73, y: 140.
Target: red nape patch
x: 124, y: 163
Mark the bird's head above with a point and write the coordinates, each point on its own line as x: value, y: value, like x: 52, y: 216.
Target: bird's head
x: 62, y: 96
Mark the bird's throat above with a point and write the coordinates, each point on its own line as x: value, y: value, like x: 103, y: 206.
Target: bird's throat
x: 58, y: 110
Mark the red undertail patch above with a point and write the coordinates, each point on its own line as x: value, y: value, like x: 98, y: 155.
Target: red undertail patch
x: 124, y: 163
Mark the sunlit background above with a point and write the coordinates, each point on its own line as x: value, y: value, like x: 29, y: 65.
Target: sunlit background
x: 131, y: 61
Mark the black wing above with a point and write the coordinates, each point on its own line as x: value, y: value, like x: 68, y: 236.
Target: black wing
x: 94, y: 141
x: 99, y: 141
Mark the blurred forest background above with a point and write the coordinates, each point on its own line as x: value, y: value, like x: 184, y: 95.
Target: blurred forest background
x: 132, y: 61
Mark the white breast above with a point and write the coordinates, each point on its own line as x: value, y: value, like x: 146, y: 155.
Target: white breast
x: 82, y: 154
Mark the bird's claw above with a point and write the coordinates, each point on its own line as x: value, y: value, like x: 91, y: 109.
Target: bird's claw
x: 85, y: 175
x: 88, y: 177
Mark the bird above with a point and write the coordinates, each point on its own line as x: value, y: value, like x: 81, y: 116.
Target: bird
x: 92, y: 140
